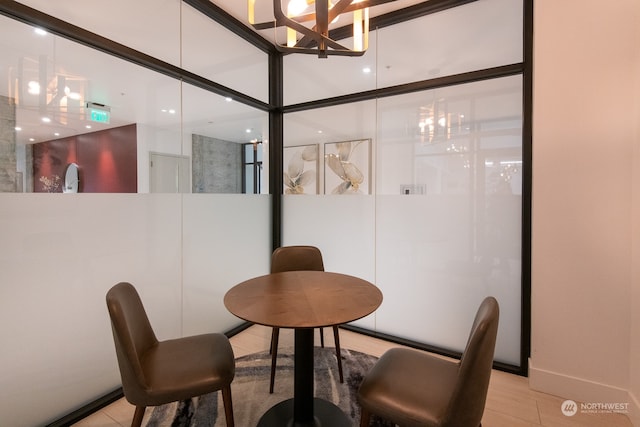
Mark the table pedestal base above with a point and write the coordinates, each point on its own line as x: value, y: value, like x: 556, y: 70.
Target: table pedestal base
x: 326, y: 414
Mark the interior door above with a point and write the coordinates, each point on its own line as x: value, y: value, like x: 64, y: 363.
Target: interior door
x: 169, y: 173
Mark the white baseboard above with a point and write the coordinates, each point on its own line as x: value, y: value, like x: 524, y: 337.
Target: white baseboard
x: 634, y: 410
x: 580, y: 389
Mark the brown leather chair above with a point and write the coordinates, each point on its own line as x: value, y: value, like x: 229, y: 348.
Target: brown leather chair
x: 413, y: 388
x: 298, y: 258
x: 158, y: 372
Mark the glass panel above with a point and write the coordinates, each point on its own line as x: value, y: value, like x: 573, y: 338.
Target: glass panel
x: 466, y: 38
x: 212, y: 51
x: 248, y: 179
x: 227, y: 240
x: 214, y: 130
x: 73, y: 104
x: 65, y: 251
x: 124, y: 21
x: 433, y: 46
x: 332, y: 124
x: 307, y: 77
x: 321, y: 130
x: 458, y: 230
x: 248, y: 153
x: 163, y: 243
x: 342, y: 226
x: 445, y: 219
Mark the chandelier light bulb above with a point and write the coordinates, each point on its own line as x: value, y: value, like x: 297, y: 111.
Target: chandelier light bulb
x: 296, y: 7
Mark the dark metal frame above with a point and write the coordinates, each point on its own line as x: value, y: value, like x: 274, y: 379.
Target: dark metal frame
x: 257, y: 167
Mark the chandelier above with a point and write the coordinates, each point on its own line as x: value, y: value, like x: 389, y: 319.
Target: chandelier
x: 307, y: 25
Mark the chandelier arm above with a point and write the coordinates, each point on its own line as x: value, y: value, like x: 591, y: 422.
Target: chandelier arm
x: 309, y: 51
x: 341, y: 7
x: 336, y: 10
x: 322, y: 17
x: 317, y: 37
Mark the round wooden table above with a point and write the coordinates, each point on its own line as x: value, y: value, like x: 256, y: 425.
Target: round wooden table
x: 303, y: 300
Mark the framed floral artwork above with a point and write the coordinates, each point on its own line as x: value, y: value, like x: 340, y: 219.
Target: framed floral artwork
x: 301, y: 169
x: 347, y: 167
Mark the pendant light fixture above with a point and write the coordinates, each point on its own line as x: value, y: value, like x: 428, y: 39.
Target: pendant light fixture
x: 307, y: 24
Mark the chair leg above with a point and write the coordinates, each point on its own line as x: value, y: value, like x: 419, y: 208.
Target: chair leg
x: 228, y: 405
x: 274, y: 355
x: 336, y: 337
x: 365, y: 417
x: 321, y: 337
x: 137, y: 416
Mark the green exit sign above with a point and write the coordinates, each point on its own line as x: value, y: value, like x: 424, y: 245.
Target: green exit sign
x: 100, y: 116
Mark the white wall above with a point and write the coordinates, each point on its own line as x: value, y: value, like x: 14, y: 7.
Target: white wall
x: 634, y: 376
x: 585, y: 128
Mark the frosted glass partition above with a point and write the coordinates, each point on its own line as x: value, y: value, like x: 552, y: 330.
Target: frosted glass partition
x: 61, y: 253
x: 448, y: 212
x: 343, y: 227
x: 226, y: 240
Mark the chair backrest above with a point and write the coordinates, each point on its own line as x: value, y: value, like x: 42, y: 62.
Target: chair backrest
x: 296, y: 258
x: 470, y: 394
x: 132, y: 335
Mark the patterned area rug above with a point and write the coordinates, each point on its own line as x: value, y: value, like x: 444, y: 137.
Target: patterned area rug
x: 250, y: 390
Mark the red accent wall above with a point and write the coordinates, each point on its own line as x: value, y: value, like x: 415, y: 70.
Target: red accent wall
x: 107, y: 160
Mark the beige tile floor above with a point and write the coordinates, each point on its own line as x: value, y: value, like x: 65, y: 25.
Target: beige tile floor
x: 510, y: 402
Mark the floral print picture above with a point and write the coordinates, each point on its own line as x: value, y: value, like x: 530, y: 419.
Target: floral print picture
x: 346, y: 167
x: 301, y: 169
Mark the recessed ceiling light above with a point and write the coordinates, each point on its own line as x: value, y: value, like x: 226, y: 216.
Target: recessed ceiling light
x: 46, y: 120
x: 40, y: 31
x: 88, y: 126
x: 56, y: 134
x: 366, y: 70
x: 228, y: 99
x: 319, y: 131
x: 31, y: 139
x: 248, y: 130
x: 172, y: 111
x: 18, y: 128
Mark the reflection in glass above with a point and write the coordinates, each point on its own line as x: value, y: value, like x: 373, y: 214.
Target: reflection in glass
x: 62, y: 102
x: 66, y: 103
x: 449, y: 187
x: 215, y: 131
x: 212, y: 51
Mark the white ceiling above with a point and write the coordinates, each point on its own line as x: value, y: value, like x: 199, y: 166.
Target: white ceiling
x: 135, y: 94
